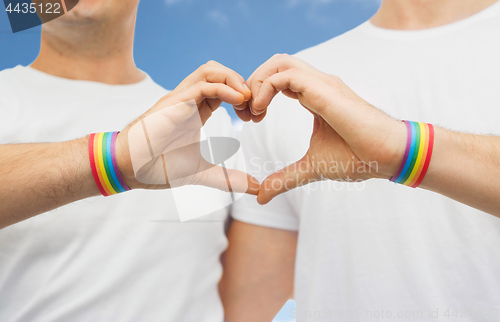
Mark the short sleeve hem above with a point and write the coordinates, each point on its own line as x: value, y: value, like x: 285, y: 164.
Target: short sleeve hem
x: 261, y: 217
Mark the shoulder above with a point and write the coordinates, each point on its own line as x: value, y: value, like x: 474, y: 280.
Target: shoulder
x: 11, y: 86
x: 9, y: 72
x: 10, y: 78
x: 12, y: 91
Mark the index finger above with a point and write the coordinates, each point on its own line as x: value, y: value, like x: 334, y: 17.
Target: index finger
x: 277, y: 64
x: 214, y: 72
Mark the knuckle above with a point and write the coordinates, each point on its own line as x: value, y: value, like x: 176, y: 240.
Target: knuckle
x: 200, y: 85
x: 203, y: 69
x: 212, y: 63
x: 333, y: 81
x: 335, y: 78
x: 265, y: 84
x: 240, y: 77
x: 283, y: 56
x: 278, y: 57
x: 252, y: 83
x: 232, y: 73
x: 295, y: 73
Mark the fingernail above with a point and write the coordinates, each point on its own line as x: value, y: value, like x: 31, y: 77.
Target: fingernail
x: 240, y: 107
x: 257, y: 112
x: 246, y: 87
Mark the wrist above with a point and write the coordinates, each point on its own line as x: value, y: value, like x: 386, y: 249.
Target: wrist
x: 398, y: 149
x: 394, y: 151
x: 79, y: 156
x: 124, y: 161
x: 102, y: 156
x: 417, y: 155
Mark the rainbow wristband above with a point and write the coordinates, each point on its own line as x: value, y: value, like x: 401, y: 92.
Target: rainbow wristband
x: 418, y: 153
x: 103, y: 164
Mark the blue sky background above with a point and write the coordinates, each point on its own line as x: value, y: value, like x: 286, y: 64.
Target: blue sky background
x: 174, y: 37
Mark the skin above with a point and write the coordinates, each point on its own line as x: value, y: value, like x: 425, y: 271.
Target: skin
x: 347, y: 129
x: 94, y: 42
x: 337, y: 109
x: 59, y: 173
x: 271, y: 254
x: 47, y: 181
x: 423, y: 14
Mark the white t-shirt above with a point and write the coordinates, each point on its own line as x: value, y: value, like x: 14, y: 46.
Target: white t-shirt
x: 378, y: 247
x: 122, y: 258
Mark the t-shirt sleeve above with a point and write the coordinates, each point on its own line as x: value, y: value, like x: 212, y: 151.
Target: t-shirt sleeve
x: 267, y: 147
x: 276, y: 214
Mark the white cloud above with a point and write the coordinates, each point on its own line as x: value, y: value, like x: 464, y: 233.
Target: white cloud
x: 294, y: 3
x: 314, y: 3
x: 218, y: 17
x: 174, y: 2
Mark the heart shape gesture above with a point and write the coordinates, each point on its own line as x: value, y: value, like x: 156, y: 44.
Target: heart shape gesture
x: 351, y: 139
x: 165, y: 148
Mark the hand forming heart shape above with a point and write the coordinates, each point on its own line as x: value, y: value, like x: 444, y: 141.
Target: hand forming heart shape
x: 164, y: 148
x: 347, y: 130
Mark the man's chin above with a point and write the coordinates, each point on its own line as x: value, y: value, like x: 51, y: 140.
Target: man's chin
x: 85, y: 12
x: 80, y: 16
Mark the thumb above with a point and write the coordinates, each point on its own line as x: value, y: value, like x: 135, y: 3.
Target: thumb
x: 229, y: 180
x: 295, y: 175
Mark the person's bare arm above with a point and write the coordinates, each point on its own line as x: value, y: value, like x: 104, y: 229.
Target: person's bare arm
x: 347, y: 129
x: 258, y: 275
x: 466, y: 168
x: 35, y: 178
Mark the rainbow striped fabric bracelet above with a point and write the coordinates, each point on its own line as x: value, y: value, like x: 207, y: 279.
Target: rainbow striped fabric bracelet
x: 103, y: 163
x: 419, y: 145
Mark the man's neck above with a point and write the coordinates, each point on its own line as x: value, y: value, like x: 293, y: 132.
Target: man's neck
x: 423, y: 14
x: 100, y: 58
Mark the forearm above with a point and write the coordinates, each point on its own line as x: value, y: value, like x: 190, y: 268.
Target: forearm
x: 466, y: 168
x: 258, y: 275
x: 36, y: 178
